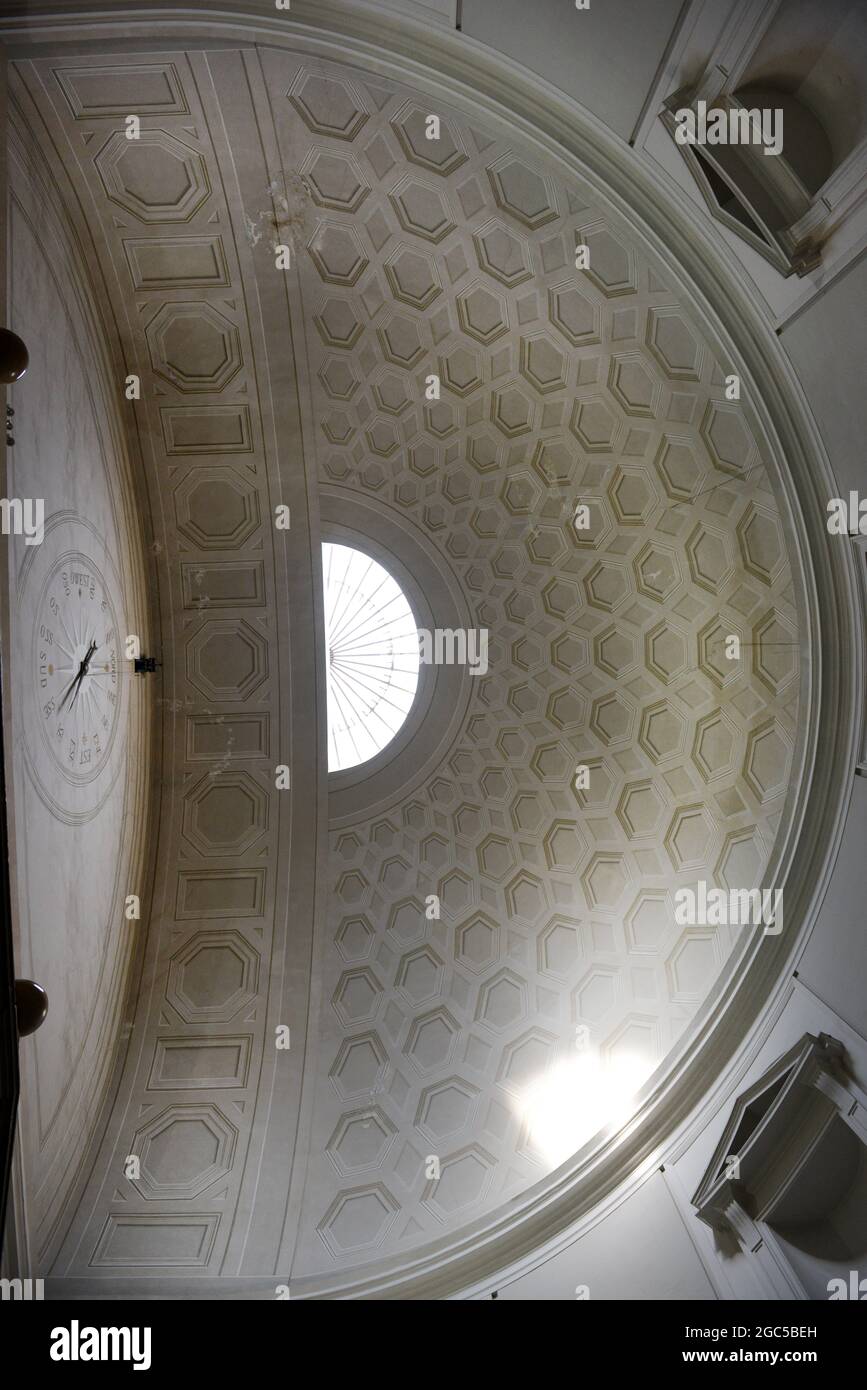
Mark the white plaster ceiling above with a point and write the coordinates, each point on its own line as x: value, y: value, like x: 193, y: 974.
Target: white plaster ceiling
x: 411, y: 1037
x: 607, y: 648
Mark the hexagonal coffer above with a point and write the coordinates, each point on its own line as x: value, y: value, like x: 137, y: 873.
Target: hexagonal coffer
x: 359, y: 1066
x: 358, y: 1220
x: 443, y: 155
x: 361, y: 1140
x: 446, y: 1108
x: 327, y: 105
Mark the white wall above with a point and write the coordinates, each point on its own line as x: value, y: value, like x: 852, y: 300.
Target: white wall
x: 826, y: 345
x: 834, y: 965
x: 605, y: 57
x: 640, y: 1251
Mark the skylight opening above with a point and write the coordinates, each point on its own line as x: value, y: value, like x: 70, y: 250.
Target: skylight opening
x: 372, y: 656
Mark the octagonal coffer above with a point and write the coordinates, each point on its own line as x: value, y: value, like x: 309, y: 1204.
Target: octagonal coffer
x: 194, y: 347
x: 227, y: 660
x: 183, y: 1150
x: 225, y: 814
x: 156, y: 177
x: 216, y: 509
x: 212, y: 977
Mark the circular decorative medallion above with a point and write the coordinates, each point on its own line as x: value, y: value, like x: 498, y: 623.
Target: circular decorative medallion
x: 75, y: 667
x: 75, y: 698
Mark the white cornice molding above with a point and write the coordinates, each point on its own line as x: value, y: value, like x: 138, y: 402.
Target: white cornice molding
x: 728, y: 1029
x: 682, y: 32
x: 746, y: 27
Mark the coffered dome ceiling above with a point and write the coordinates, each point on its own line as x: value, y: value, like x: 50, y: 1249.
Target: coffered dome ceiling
x: 422, y: 1036
x: 607, y: 649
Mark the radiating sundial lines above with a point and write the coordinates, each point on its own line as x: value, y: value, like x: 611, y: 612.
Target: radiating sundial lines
x: 373, y: 656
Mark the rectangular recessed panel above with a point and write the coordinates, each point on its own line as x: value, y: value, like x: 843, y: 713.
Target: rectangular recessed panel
x: 181, y: 1241
x: 121, y: 89
x: 165, y: 263
x: 206, y: 429
x: 223, y: 584
x: 218, y: 737
x: 229, y: 893
x: 190, y: 1063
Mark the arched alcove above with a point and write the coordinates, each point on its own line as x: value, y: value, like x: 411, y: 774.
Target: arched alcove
x: 807, y: 148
